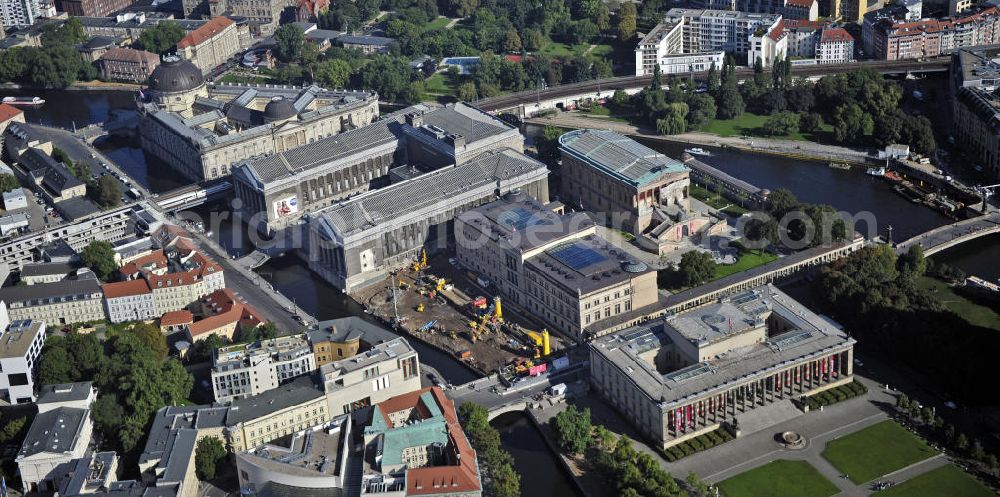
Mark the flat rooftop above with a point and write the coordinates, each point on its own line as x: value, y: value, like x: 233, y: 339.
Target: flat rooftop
x: 810, y: 336
x: 298, y: 391
x: 18, y: 337
x: 621, y: 158
x: 378, y: 353
x: 585, y: 265
x: 523, y: 223
x: 310, y: 454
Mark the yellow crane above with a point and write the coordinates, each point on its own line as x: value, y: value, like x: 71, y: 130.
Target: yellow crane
x: 421, y: 262
x: 494, y: 314
x: 541, y: 340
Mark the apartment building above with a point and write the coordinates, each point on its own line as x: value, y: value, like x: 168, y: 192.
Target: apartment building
x: 387, y: 369
x: 835, y: 46
x: 19, y: 12
x: 664, y: 46
x: 21, y: 343
x: 59, y: 435
x: 9, y: 114
x: 64, y: 302
x: 288, y: 409
x: 886, y: 35
x: 801, y: 9
x: 222, y: 313
x: 341, y: 338
x: 94, y: 8
x: 694, y: 371
x: 130, y: 300
x: 127, y: 65
x: 211, y: 45
x: 720, y: 30
x: 553, y: 265
x: 241, y: 371
x: 262, y: 15
x: 167, y: 462
x: 418, y: 448
x: 178, y: 275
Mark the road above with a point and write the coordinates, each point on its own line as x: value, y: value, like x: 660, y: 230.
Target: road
x: 502, y: 102
x: 946, y: 234
x: 83, y: 153
x: 491, y: 394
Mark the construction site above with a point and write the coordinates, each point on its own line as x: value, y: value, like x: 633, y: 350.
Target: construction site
x: 441, y: 304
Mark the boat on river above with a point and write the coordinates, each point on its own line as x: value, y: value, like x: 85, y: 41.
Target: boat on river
x: 698, y: 151
x: 23, y: 100
x: 876, y: 171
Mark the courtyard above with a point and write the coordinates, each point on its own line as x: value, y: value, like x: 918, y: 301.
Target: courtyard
x: 782, y: 477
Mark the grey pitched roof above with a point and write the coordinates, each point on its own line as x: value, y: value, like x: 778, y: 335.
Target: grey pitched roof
x: 325, y: 151
x: 298, y: 391
x: 462, y: 119
x: 369, y: 210
x: 365, y: 40
x: 55, y: 431
x: 75, y: 289
x: 64, y: 392
x: 619, y: 157
x: 47, y: 268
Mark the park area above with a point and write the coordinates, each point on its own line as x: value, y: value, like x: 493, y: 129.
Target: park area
x: 749, y: 124
x: 973, y: 312
x: 779, y: 478
x: 748, y: 259
x: 875, y: 451
x: 946, y: 480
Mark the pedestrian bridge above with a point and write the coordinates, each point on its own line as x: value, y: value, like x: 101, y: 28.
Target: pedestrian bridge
x: 950, y: 235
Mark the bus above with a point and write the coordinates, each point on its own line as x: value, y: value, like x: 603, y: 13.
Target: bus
x: 135, y: 193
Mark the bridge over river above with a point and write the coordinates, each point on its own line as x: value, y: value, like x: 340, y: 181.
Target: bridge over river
x: 949, y: 235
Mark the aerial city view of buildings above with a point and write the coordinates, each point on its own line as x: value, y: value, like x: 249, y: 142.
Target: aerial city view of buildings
x: 704, y: 248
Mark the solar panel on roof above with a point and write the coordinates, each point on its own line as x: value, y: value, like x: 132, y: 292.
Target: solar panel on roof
x: 577, y: 256
x: 690, y: 372
x: 519, y: 218
x: 791, y: 338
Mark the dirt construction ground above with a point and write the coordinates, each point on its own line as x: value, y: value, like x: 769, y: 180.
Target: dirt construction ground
x: 452, y: 313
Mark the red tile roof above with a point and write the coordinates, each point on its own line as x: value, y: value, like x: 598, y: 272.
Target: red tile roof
x: 224, y: 299
x: 125, y: 288
x: 778, y: 31
x: 156, y: 260
x: 791, y: 24
x: 230, y: 317
x: 834, y: 35
x: 131, y: 55
x: 805, y: 4
x: 460, y: 478
x: 8, y: 112
x: 174, y: 318
x: 206, y: 31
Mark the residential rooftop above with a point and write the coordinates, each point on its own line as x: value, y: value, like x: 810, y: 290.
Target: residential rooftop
x: 64, y: 392
x: 378, y: 353
x: 56, y: 431
x: 18, y: 337
x: 307, y: 454
x: 296, y: 392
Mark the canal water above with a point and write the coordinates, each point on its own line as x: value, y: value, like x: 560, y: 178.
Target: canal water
x: 541, y: 474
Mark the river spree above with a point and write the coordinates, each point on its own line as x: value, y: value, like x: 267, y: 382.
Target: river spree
x: 541, y: 474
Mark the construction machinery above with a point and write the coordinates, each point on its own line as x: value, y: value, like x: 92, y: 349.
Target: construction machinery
x: 493, y: 315
x: 541, y: 340
x: 421, y: 262
x: 420, y: 307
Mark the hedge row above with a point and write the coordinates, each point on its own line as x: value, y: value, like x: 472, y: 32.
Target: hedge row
x: 697, y: 444
x: 836, y: 394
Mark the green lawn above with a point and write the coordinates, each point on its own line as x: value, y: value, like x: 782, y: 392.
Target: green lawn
x: 748, y: 260
x: 438, y: 85
x: 557, y: 49
x: 779, y: 478
x: 748, y: 123
x: 946, y: 480
x: 715, y: 200
x: 875, y: 451
x: 972, y: 312
x: 602, y: 51
x: 438, y: 23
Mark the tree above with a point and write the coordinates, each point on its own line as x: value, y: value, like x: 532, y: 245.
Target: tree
x: 107, y: 413
x: 714, y: 82
x: 962, y: 442
x: 389, y: 76
x: 800, y: 97
x: 99, y: 256
x: 810, y: 122
x: 976, y: 452
x: 781, y: 124
x: 912, y: 263
x: 109, y: 192
x: 333, y: 73
x: 467, y: 92
x: 13, y: 430
x: 207, y: 456
x: 991, y: 462
x: 674, y: 121
x: 701, y: 110
x: 512, y: 41
x: 626, y: 22
x: 151, y: 337
x: 161, y: 38
x: 8, y: 182
x: 851, y: 124
x: 696, y: 267
x: 730, y: 102
x: 698, y: 487
x: 573, y: 429
x: 288, y: 42
x: 56, y: 366
x: 918, y: 134
x: 532, y: 39
x: 548, y: 145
